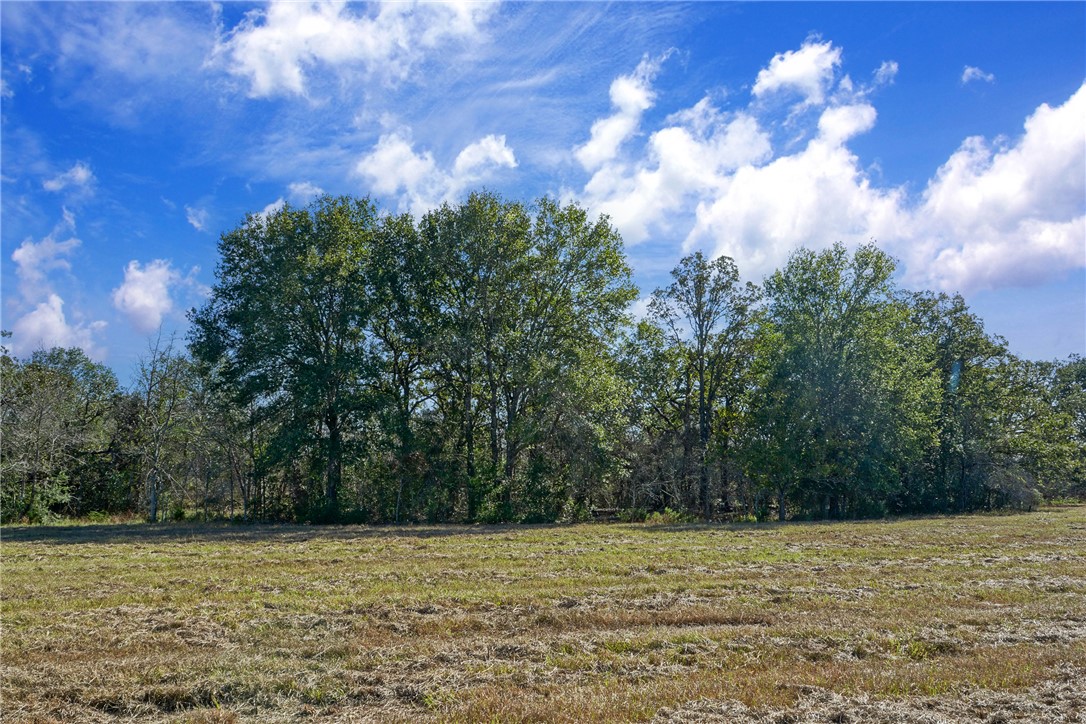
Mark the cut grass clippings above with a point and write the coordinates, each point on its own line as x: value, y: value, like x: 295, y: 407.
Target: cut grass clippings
x: 963, y: 616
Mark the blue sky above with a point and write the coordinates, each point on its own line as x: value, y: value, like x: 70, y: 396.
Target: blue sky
x: 952, y: 134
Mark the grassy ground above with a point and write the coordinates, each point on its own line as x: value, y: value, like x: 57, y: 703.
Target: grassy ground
x: 937, y: 619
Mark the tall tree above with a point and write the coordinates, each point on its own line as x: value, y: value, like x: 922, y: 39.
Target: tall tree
x: 286, y: 324
x: 966, y: 362
x: 164, y: 387
x: 708, y: 313
x: 850, y: 375
x: 526, y: 300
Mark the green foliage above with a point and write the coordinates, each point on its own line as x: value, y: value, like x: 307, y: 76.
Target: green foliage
x: 285, y: 328
x: 668, y: 516
x: 479, y: 365
x: 55, y: 417
x: 847, y: 393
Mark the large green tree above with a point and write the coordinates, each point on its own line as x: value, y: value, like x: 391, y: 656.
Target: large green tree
x: 286, y: 327
x: 526, y: 299
x: 708, y: 315
x: 966, y: 362
x: 847, y: 383
x: 56, y: 421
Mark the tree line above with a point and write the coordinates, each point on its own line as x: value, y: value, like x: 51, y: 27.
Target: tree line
x: 480, y: 364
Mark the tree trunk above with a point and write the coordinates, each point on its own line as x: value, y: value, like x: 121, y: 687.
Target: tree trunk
x: 334, y: 467
x: 469, y: 449
x: 152, y: 493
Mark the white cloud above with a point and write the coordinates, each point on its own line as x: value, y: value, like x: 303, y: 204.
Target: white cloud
x: 1016, y: 215
x: 276, y: 48
x: 687, y: 160
x: 970, y: 73
x: 46, y: 326
x: 197, y: 217
x: 631, y: 95
x: 837, y: 125
x: 145, y: 295
x: 302, y: 192
x: 995, y: 214
x: 808, y: 71
x: 393, y: 166
x: 79, y: 176
x: 886, y: 73
x: 812, y: 199
x: 133, y: 63
x: 394, y: 169
x: 272, y: 208
x: 488, y: 151
x: 34, y: 260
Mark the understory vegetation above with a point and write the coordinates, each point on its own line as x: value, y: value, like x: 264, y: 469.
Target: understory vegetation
x: 481, y: 364
x: 966, y: 618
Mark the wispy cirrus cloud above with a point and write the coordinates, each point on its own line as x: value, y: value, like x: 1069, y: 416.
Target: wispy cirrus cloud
x: 128, y: 62
x: 971, y: 74
x: 79, y: 176
x: 279, y: 49
x: 197, y: 217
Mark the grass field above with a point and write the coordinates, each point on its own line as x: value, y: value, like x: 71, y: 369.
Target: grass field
x: 937, y: 619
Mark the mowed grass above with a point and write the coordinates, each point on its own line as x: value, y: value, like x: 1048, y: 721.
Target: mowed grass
x: 541, y: 623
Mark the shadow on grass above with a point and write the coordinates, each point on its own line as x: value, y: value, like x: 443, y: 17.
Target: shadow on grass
x: 241, y: 532
x: 297, y: 533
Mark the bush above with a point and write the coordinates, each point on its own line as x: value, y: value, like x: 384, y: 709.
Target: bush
x: 574, y: 512
x: 669, y: 516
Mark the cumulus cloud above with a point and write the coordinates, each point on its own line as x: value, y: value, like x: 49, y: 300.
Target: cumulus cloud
x: 45, y: 324
x: 837, y: 125
x: 489, y: 151
x: 631, y: 95
x: 996, y: 213
x: 393, y: 166
x: 970, y: 73
x: 274, y: 49
x: 1010, y: 215
x: 811, y: 198
x: 78, y: 176
x: 808, y: 71
x: 690, y: 158
x: 145, y: 295
x: 394, y: 169
x: 35, y: 259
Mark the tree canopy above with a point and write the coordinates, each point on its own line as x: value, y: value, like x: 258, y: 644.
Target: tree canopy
x: 481, y: 363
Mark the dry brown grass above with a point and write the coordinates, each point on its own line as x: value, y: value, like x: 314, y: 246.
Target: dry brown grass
x: 939, y: 619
